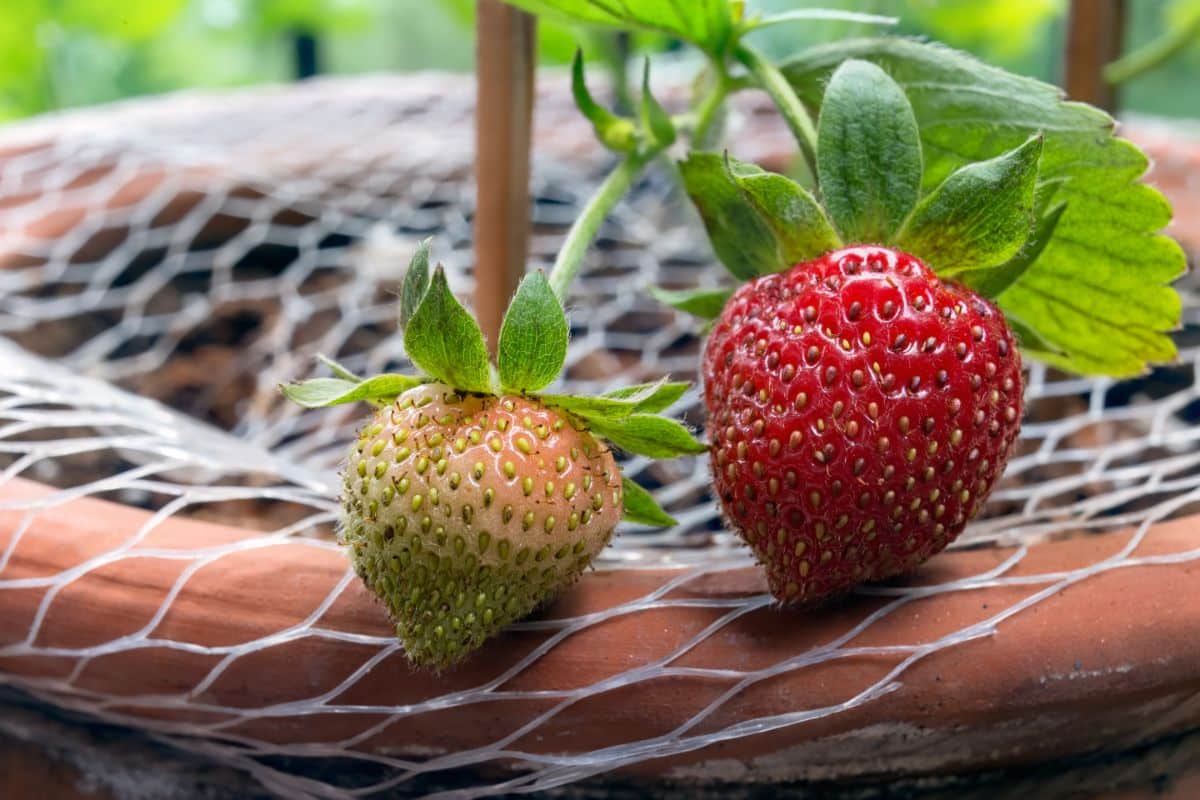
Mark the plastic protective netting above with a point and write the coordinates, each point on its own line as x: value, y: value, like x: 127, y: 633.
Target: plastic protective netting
x: 164, y: 266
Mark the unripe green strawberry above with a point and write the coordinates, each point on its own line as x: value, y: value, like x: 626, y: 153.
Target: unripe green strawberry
x: 465, y: 512
x: 860, y: 411
x: 470, y: 499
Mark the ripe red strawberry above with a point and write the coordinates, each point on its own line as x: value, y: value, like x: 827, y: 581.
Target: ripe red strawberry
x: 466, y: 512
x: 860, y: 410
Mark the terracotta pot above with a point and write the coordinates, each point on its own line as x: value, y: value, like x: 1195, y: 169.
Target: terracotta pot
x: 1103, y: 659
x: 214, y: 629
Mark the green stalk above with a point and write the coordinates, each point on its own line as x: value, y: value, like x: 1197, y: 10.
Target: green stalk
x: 771, y: 80
x: 710, y: 106
x: 1153, y: 53
x: 587, y: 224
x: 698, y: 123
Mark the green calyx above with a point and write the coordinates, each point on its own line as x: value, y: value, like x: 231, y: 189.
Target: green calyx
x: 445, y: 343
x: 869, y: 169
x: 990, y: 178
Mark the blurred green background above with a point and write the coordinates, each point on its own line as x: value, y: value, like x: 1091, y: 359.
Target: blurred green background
x: 61, y: 53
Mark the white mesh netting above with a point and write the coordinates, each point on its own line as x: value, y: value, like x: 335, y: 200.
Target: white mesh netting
x: 163, y: 266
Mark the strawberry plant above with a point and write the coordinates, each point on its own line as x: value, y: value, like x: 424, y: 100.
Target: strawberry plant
x: 864, y: 386
x: 863, y: 403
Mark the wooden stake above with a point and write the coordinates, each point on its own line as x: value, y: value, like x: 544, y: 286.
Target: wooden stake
x: 1095, y: 36
x: 505, y: 53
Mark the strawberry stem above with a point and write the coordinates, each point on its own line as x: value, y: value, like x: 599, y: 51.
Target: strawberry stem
x: 771, y: 80
x: 1155, y: 52
x: 570, y: 257
x: 587, y: 224
x: 706, y: 111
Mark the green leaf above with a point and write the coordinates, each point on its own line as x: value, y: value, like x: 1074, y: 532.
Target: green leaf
x: 708, y: 24
x: 533, y: 337
x: 821, y: 15
x: 655, y: 120
x: 323, y: 392
x: 1031, y: 343
x: 619, y: 404
x: 758, y: 222
x: 615, y: 133
x: 980, y: 216
x: 642, y: 508
x: 1098, y: 293
x: 992, y: 282
x: 703, y: 303
x: 868, y: 153
x: 416, y: 283
x: 602, y: 408
x: 445, y: 342
x: 650, y: 398
x: 646, y: 434
x: 740, y: 237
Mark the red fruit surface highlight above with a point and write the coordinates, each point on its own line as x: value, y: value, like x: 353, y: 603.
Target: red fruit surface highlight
x: 860, y: 410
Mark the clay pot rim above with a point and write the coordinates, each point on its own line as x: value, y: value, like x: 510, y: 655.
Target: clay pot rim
x: 983, y: 673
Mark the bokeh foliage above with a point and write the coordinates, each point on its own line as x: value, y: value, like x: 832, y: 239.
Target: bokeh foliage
x: 61, y: 53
